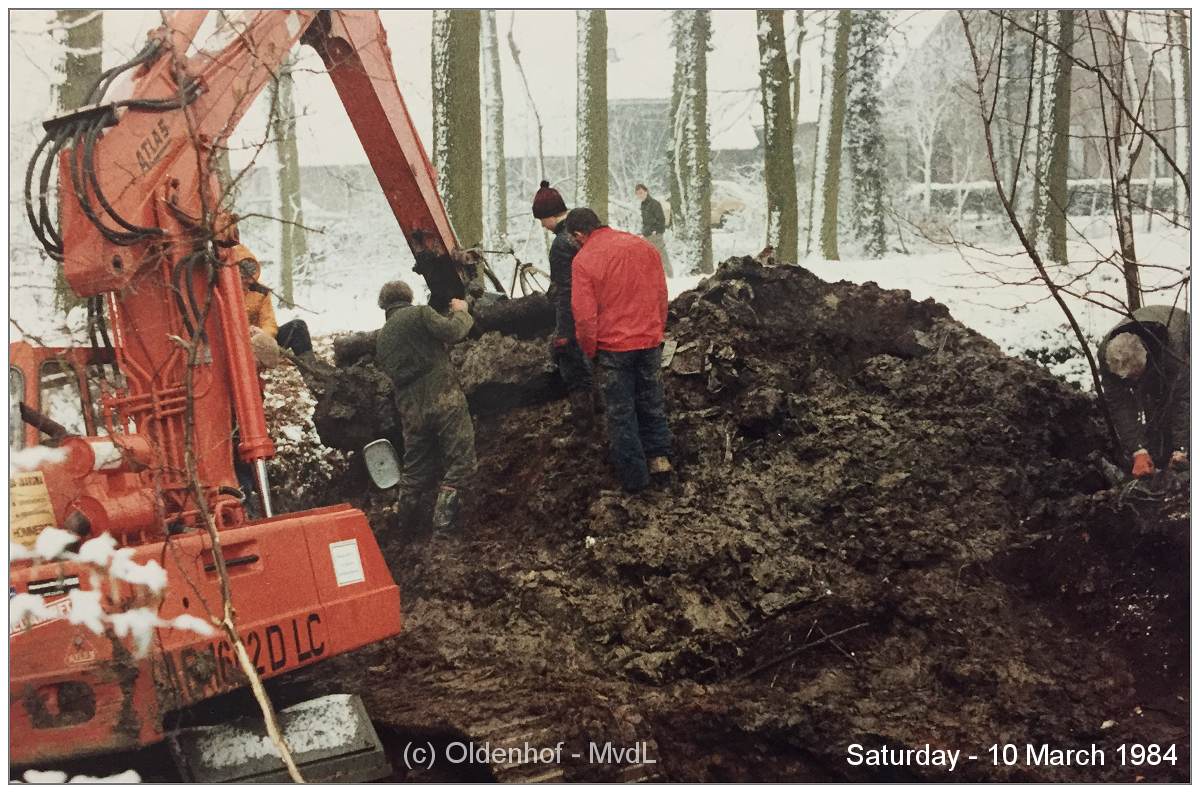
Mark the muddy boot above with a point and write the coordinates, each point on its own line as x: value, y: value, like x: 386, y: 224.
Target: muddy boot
x: 661, y: 471
x: 581, y: 417
x: 445, y: 512
x: 407, y: 515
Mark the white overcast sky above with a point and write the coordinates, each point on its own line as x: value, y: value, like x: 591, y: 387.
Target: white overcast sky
x: 640, y: 65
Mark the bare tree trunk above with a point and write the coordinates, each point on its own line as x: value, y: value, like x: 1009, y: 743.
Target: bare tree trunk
x: 690, y: 136
x: 675, y: 191
x: 800, y: 31
x: 457, y: 134
x: 927, y: 170
x: 1152, y: 175
x: 815, y: 196
x: 292, y: 243
x: 1181, y: 78
x: 1123, y: 151
x: 833, y: 149
x: 778, y: 166
x: 495, y: 170
x: 80, y: 68
x: 591, y: 111
x: 1058, y: 194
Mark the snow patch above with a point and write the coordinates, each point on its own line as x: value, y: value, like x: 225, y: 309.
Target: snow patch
x: 51, y: 542
x: 33, y: 457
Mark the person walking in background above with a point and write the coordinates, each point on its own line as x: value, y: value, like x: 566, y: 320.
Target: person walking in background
x: 619, y: 299
x: 414, y: 351
x: 654, y: 225
x: 575, y: 369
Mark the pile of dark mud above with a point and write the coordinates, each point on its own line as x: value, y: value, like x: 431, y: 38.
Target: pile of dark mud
x: 883, y: 531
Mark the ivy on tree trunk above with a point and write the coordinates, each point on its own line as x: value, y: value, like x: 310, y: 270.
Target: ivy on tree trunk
x: 779, y: 169
x: 292, y: 243
x: 80, y: 68
x: 833, y: 145
x: 495, y: 170
x: 692, y: 31
x: 457, y: 133
x: 591, y: 112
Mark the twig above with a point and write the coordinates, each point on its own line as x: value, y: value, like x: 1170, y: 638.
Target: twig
x: 849, y: 656
x: 227, y: 620
x: 826, y: 637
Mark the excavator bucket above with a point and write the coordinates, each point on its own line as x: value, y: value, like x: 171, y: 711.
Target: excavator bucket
x: 330, y: 738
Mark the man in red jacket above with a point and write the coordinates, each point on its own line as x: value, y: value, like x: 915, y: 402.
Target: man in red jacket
x: 619, y: 299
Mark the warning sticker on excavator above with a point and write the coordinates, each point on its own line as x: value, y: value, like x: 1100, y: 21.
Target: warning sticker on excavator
x: 29, y: 507
x: 53, y: 611
x: 347, y: 562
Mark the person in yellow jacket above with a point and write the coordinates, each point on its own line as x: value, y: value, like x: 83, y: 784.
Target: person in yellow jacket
x: 261, y: 315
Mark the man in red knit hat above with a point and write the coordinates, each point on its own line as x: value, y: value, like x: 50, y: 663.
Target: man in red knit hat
x: 619, y: 299
x: 573, y: 367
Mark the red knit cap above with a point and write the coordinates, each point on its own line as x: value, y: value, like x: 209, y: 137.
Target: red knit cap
x: 548, y: 203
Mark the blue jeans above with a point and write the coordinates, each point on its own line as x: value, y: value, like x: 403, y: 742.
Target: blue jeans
x: 636, y: 411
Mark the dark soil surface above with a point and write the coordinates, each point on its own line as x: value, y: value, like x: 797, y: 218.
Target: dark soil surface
x: 850, y: 464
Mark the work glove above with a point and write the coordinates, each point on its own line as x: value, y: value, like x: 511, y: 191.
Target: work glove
x: 1142, y: 464
x: 265, y: 349
x: 558, y: 346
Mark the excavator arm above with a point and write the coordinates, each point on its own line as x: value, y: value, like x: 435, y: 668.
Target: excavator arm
x: 149, y: 155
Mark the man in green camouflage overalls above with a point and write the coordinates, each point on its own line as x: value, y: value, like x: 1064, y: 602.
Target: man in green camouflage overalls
x: 414, y: 351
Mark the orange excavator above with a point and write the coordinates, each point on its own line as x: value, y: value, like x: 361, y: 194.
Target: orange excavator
x: 149, y: 456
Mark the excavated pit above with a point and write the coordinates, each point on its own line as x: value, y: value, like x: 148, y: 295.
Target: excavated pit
x: 852, y: 464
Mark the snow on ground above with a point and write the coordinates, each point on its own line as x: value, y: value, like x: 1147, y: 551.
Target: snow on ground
x: 991, y: 287
x: 999, y: 295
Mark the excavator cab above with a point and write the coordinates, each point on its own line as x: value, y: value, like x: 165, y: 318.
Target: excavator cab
x: 61, y: 384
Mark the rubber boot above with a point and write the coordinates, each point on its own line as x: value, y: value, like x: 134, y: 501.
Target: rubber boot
x: 660, y: 470
x: 406, y: 522
x: 581, y: 416
x: 583, y: 412
x: 445, y: 512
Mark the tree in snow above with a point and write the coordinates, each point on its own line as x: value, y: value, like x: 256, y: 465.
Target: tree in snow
x: 1124, y: 133
x: 1052, y: 71
x: 1016, y: 116
x: 801, y: 30
x: 986, y: 84
x: 823, y: 210
x: 457, y: 135
x: 779, y: 168
x: 292, y: 243
x: 495, y: 185
x: 864, y: 131
x: 923, y: 100
x: 82, y: 31
x: 1181, y: 78
x: 692, y: 192
x: 591, y: 111
x: 83, y: 35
